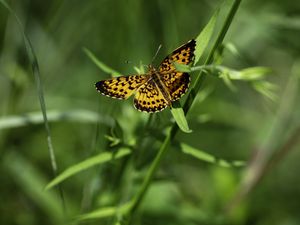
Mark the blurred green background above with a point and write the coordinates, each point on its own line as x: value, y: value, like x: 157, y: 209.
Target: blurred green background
x: 229, y: 125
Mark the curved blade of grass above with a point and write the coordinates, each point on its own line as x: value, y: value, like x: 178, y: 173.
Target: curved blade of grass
x: 84, y: 116
x: 36, y: 72
x: 199, y: 154
x: 92, y: 161
x: 106, y: 212
x: 100, y: 64
x: 205, y: 36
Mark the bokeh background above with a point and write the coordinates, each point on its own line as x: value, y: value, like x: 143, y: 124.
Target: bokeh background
x: 241, y: 125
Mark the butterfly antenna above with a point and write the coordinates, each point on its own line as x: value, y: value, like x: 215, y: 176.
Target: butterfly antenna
x: 159, y: 47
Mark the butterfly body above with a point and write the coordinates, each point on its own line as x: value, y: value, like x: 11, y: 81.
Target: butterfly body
x: 158, y: 88
x: 155, y: 76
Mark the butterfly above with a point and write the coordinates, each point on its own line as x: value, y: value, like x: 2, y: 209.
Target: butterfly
x: 158, y: 88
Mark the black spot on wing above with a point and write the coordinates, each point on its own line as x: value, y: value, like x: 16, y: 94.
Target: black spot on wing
x: 144, y: 106
x: 104, y: 88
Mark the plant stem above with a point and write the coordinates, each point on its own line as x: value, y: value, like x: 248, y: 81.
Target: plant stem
x: 201, y: 76
x: 198, y: 83
x: 138, y: 198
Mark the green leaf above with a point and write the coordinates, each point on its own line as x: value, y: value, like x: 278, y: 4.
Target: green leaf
x: 267, y: 89
x: 248, y: 74
x: 179, y: 117
x: 252, y: 73
x: 100, y: 64
x: 106, y: 212
x: 93, y: 161
x: 205, y: 36
x: 182, y: 68
x: 199, y: 154
x: 80, y: 115
x: 255, y: 75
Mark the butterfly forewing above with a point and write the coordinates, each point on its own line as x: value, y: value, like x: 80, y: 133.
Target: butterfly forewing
x: 121, y: 87
x: 183, y: 55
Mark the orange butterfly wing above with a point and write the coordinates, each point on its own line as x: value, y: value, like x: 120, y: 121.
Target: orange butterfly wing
x: 121, y: 87
x: 177, y: 82
x: 149, y: 98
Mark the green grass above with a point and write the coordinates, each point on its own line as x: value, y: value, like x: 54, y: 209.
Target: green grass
x: 226, y: 153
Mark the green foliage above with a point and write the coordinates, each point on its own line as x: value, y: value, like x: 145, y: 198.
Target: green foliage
x: 106, y: 212
x: 178, y: 114
x: 100, y: 64
x: 222, y: 155
x: 202, y: 155
x: 86, y: 164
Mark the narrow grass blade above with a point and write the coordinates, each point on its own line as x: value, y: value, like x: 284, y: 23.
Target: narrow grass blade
x: 205, y: 36
x: 106, y: 212
x: 83, y: 116
x: 100, y: 64
x: 199, y: 154
x: 36, y: 73
x: 95, y: 160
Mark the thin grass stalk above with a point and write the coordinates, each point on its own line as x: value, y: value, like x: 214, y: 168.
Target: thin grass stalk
x: 36, y: 72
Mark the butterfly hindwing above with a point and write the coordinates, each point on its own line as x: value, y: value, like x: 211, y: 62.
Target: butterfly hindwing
x: 149, y: 98
x: 121, y: 87
x: 177, y: 82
